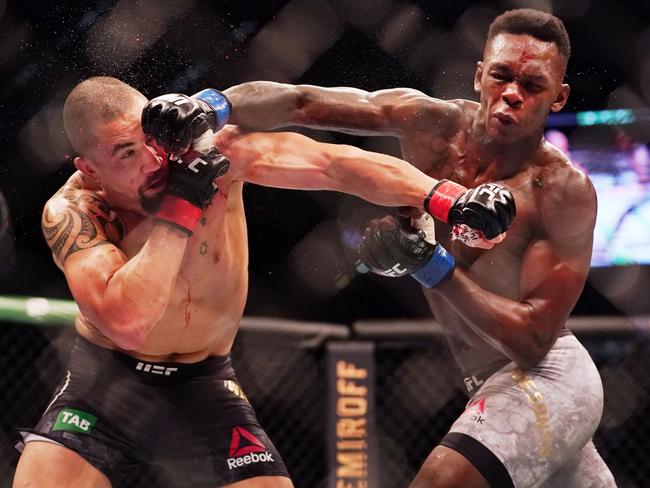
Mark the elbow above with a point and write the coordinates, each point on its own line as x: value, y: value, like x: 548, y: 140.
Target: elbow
x: 128, y: 335
x: 299, y: 104
x: 526, y: 362
x: 128, y: 340
x: 532, y: 351
x: 128, y: 329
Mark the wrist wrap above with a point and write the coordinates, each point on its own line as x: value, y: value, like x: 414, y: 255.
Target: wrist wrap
x: 218, y: 102
x: 441, y: 198
x: 179, y: 212
x: 437, y: 270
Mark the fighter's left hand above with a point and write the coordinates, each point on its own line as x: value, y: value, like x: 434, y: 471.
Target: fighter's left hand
x: 475, y: 238
x: 175, y: 120
x: 461, y: 232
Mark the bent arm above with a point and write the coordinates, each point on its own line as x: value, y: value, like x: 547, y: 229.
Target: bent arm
x: 289, y: 160
x: 552, y: 275
x: 123, y: 298
x: 522, y: 330
x: 261, y: 105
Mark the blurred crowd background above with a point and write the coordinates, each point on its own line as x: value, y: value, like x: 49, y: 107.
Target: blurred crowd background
x: 302, y: 244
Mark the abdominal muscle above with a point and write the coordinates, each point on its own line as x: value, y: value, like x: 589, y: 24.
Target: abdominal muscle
x: 209, y: 295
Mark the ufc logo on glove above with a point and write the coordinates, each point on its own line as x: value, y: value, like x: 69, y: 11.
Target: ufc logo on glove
x: 396, y: 270
x: 492, y: 190
x: 193, y: 165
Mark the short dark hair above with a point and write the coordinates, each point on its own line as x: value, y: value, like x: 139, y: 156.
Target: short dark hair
x: 540, y: 25
x: 96, y: 99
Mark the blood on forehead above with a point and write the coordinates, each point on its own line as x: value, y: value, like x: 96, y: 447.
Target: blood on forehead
x: 526, y: 56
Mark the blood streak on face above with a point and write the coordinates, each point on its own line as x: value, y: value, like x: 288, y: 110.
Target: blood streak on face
x: 526, y: 56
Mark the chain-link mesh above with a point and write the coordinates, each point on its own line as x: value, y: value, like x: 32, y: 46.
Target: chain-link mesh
x: 624, y: 435
x: 418, y: 397
x: 417, y: 400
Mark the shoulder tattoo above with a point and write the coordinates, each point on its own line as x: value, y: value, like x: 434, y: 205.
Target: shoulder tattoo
x: 79, y: 220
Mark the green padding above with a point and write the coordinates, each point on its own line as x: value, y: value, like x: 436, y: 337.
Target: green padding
x: 37, y: 310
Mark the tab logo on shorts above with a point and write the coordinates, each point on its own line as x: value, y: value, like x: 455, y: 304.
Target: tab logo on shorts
x: 246, y: 449
x: 74, y: 420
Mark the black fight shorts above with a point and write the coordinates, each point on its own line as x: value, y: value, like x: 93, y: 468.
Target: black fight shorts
x: 189, y: 421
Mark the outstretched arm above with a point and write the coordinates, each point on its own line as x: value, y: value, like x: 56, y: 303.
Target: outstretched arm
x: 260, y: 105
x: 290, y: 160
x: 294, y: 161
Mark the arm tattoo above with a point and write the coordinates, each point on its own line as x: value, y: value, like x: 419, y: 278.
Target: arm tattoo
x: 83, y: 221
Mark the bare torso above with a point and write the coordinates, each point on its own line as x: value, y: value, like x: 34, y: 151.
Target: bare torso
x: 210, y: 291
x: 445, y: 152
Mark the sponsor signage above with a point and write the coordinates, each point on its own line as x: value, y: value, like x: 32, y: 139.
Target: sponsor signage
x: 351, y: 376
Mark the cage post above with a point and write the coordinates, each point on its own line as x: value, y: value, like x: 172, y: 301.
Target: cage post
x: 351, y: 449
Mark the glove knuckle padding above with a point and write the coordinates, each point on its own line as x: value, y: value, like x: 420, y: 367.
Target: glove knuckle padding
x: 488, y: 207
x: 168, y: 125
x: 370, y: 248
x: 193, y: 177
x: 389, y: 249
x: 173, y: 120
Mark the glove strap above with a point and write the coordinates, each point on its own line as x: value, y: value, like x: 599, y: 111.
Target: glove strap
x: 437, y: 270
x: 441, y: 198
x: 218, y: 102
x: 179, y: 212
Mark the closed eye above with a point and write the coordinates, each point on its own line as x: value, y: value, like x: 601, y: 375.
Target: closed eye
x: 500, y: 76
x: 532, y: 86
x: 127, y: 154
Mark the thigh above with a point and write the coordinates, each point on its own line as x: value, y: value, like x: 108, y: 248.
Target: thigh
x: 263, y: 482
x: 447, y: 468
x: 238, y: 453
x: 585, y: 470
x: 214, y: 437
x: 49, y: 465
x: 100, y: 412
x: 534, y: 421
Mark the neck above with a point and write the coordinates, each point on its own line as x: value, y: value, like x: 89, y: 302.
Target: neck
x: 509, y: 157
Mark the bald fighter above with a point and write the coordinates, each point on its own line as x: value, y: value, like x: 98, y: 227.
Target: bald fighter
x: 536, y: 395
x: 155, y: 254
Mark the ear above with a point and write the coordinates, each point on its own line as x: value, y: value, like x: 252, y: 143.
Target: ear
x: 85, y: 166
x: 477, y: 76
x: 561, y: 98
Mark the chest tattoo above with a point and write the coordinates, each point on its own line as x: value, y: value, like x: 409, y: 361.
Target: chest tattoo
x: 203, y: 248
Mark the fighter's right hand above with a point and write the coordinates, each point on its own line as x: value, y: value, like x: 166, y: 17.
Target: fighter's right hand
x: 391, y: 248
x: 190, y: 188
x: 487, y: 209
x: 175, y: 120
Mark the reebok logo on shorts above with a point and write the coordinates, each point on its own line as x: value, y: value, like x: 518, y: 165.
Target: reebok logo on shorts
x: 477, y: 411
x: 246, y: 449
x: 74, y: 420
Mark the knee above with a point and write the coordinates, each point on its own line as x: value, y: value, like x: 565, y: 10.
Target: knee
x: 438, y: 478
x: 446, y: 468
